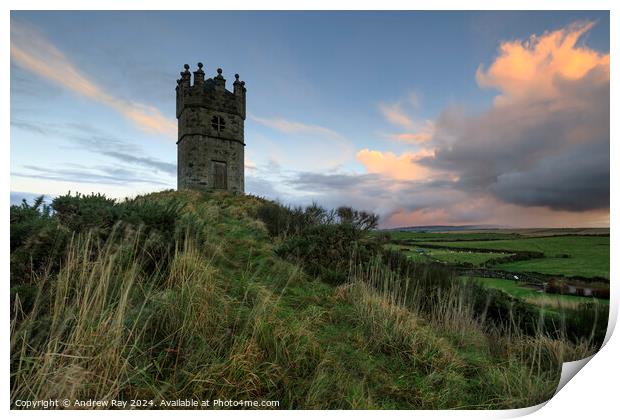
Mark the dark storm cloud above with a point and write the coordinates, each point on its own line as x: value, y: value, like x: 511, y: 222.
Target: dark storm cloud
x: 577, y: 180
x: 551, y: 152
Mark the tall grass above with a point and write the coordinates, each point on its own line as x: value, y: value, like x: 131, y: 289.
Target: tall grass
x: 436, y: 293
x: 107, y: 326
x: 76, y: 341
x: 520, y: 369
x: 205, y: 309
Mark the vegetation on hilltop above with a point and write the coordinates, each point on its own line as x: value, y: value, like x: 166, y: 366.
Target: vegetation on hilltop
x: 211, y: 296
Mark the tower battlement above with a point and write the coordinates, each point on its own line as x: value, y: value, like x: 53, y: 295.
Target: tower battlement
x: 211, y: 132
x: 209, y: 93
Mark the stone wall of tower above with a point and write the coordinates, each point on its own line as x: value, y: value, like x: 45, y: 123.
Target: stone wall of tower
x: 211, y: 133
x: 196, y: 154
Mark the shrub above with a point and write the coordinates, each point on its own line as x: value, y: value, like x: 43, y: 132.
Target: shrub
x: 359, y: 220
x: 325, y: 251
x: 285, y: 221
x: 40, y: 233
x: 36, y: 240
x: 558, y: 287
x: 588, y: 321
x: 323, y: 242
x: 26, y: 220
x: 81, y: 213
x: 160, y: 215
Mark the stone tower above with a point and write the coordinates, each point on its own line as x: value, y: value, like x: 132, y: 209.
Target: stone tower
x: 211, y: 139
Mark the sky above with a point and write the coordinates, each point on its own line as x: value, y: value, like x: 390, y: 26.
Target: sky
x: 425, y: 118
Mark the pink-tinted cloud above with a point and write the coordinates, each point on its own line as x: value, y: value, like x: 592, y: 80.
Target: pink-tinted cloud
x: 395, y: 115
x: 410, y: 137
x: 489, y: 211
x: 33, y: 52
x: 421, y: 132
x: 399, y: 114
x: 399, y: 167
x: 530, y: 69
x: 545, y: 140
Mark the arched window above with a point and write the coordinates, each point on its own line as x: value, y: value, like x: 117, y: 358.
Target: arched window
x: 218, y: 123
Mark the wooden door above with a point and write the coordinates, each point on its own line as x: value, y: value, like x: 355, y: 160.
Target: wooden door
x: 220, y: 175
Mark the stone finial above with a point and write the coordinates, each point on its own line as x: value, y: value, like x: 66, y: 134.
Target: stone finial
x: 199, y: 76
x: 220, y: 82
x: 185, y: 80
x: 238, y: 86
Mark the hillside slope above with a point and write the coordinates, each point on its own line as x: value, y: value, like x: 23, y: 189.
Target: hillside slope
x: 203, y: 307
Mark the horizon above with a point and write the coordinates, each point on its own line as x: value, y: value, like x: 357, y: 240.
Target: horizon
x: 494, y: 117
x: 17, y: 198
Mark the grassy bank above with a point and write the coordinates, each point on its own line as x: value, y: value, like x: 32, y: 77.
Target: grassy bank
x: 189, y: 295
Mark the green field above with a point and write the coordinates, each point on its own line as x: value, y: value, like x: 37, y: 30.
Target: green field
x: 586, y: 256
x: 528, y: 294
x: 450, y: 256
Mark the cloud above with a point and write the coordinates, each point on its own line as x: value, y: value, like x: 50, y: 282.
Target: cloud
x: 303, y: 146
x: 486, y: 210
x: 376, y: 192
x: 537, y: 156
x: 102, y: 174
x: 416, y: 131
x: 419, y: 203
x: 576, y: 180
x: 395, y: 115
x: 421, y: 132
x: 545, y: 140
x: 400, y: 167
x: 94, y: 140
x: 260, y: 187
x: 530, y: 70
x: 166, y: 167
x: 410, y: 137
x: 34, y: 53
x: 294, y: 127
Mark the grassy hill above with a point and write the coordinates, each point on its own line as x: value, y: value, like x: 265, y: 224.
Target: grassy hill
x: 180, y: 295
